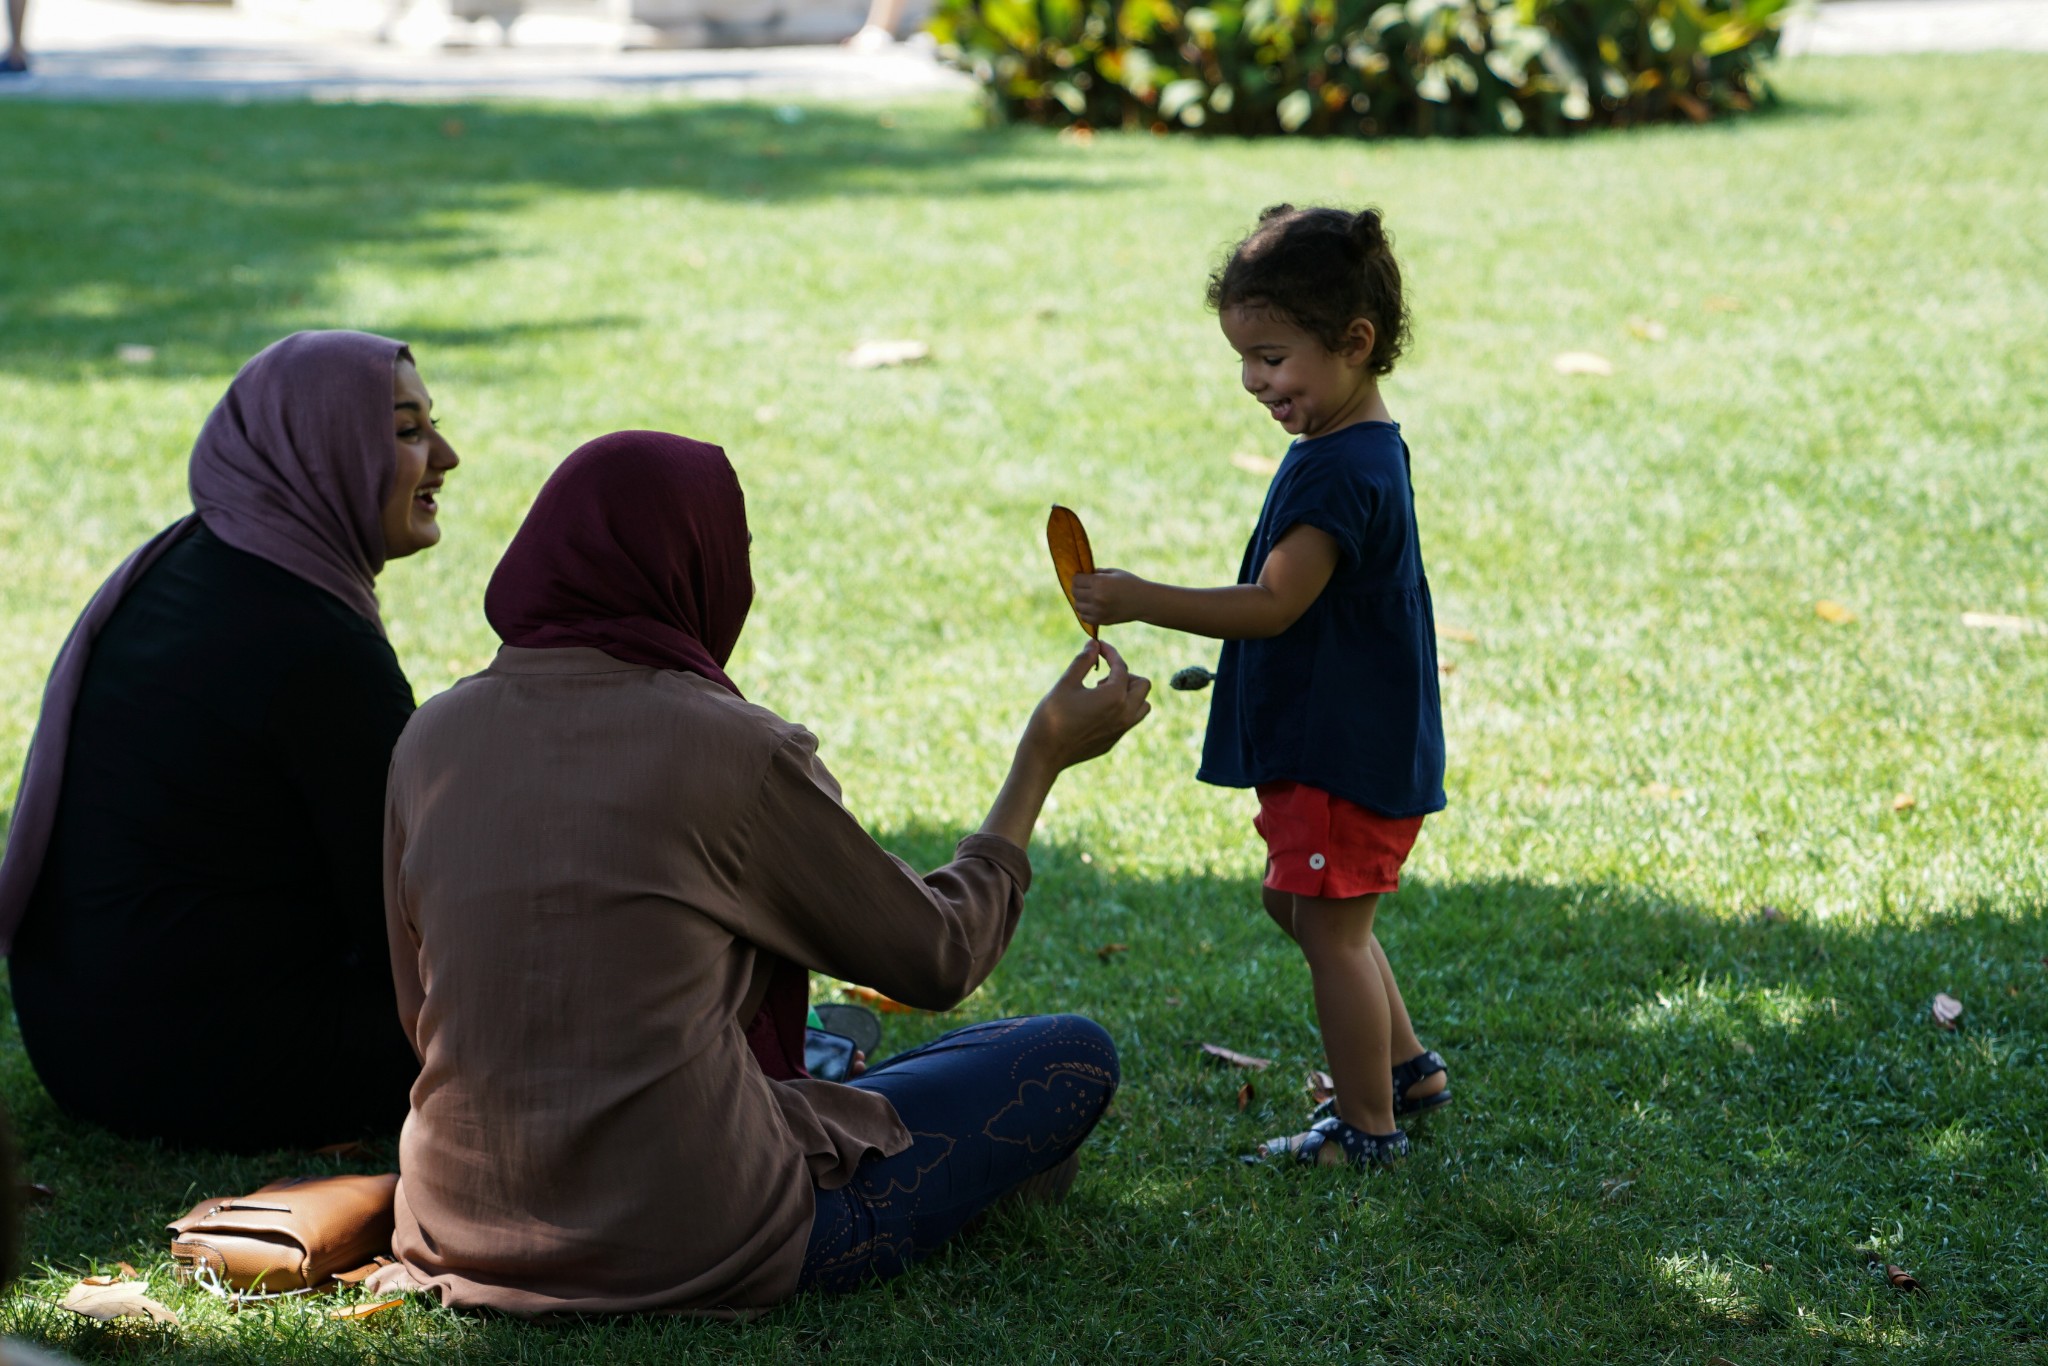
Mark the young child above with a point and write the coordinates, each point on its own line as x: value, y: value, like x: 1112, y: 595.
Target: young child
x: 1326, y: 696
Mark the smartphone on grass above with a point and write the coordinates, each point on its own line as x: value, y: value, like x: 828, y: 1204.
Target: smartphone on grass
x: 827, y: 1056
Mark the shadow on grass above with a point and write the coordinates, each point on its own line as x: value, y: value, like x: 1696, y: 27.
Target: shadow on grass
x: 1670, y: 1128
x: 216, y: 224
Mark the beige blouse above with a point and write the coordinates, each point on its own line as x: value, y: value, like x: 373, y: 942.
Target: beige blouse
x: 584, y: 860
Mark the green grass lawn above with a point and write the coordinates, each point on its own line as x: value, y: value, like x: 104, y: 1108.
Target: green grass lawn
x: 1676, y: 1117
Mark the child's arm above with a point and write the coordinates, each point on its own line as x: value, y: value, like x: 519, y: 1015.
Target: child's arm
x: 1295, y: 573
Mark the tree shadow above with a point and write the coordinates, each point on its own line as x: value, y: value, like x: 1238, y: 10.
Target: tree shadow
x: 1668, y: 1121
x: 216, y: 225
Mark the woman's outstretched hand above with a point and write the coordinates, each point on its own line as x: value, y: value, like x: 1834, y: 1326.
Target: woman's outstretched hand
x: 1075, y: 722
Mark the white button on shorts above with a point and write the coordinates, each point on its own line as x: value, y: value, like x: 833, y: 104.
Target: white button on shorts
x: 1315, y: 861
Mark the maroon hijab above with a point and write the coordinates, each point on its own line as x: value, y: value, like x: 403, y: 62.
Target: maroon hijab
x: 637, y: 546
x: 292, y: 466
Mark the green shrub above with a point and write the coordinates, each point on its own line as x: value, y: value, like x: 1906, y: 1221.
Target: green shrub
x: 1363, y: 67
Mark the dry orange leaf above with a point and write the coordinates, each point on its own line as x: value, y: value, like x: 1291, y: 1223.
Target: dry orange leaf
x: 1903, y: 802
x: 1898, y: 1278
x: 1235, y: 1058
x: 1828, y: 610
x: 1109, y: 951
x: 1457, y: 633
x: 877, y: 1001
x: 363, y: 1311
x: 1244, y: 1097
x: 1946, y: 1010
x: 1320, y: 1087
x: 121, y: 1300
x: 1068, y: 541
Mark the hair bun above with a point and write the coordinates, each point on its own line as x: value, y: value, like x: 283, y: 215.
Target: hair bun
x: 1367, y: 231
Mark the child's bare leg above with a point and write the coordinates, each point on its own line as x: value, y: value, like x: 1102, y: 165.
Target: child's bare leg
x: 1351, y: 1006
x: 1405, y: 1044
x: 1280, y: 906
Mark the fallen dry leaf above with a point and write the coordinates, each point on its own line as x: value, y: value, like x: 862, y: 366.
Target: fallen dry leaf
x: 1828, y: 610
x: 122, y: 1272
x: 35, y: 1192
x: 1581, y: 363
x: 1109, y: 951
x: 875, y: 1000
x: 363, y: 1311
x: 1255, y: 464
x: 1646, y: 329
x: 1235, y: 1058
x: 1080, y: 134
x: 1071, y: 555
x: 1457, y: 633
x: 121, y: 1300
x: 1999, y: 621
x: 1245, y: 1095
x: 1898, y: 1278
x: 1320, y: 1087
x: 877, y: 355
x: 1903, y: 802
x: 1447, y: 667
x: 1946, y: 1010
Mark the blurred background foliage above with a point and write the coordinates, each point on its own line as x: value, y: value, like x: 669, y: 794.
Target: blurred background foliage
x: 1364, y: 68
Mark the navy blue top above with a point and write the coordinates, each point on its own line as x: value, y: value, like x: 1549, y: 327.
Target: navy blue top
x: 1346, y: 698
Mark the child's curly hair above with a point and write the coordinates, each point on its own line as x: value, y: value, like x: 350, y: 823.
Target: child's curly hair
x: 1320, y: 268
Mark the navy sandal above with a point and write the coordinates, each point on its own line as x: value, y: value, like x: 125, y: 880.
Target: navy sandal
x: 1422, y: 1066
x: 1361, y: 1149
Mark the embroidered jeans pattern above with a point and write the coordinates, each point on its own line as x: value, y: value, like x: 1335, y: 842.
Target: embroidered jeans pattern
x: 988, y: 1107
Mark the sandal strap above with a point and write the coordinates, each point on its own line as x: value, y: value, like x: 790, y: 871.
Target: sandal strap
x: 1422, y: 1066
x: 1363, y: 1149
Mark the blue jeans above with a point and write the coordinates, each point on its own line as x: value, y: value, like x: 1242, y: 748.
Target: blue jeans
x: 987, y: 1107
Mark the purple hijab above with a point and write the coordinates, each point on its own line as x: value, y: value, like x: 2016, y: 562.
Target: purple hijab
x: 292, y: 466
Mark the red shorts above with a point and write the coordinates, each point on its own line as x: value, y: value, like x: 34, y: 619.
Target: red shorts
x: 1320, y: 845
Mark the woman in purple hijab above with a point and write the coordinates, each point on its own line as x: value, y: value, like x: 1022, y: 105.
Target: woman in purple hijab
x: 196, y: 847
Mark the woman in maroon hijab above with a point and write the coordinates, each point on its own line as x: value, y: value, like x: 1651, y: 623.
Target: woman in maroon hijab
x: 194, y: 851
x: 601, y: 861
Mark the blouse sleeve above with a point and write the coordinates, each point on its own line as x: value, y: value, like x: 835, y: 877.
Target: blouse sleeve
x: 818, y: 890
x: 1333, y: 497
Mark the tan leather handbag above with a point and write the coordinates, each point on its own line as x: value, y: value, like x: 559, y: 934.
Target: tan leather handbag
x: 294, y: 1234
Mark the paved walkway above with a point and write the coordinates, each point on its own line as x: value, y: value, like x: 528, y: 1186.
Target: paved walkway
x: 110, y: 49
x: 134, y: 49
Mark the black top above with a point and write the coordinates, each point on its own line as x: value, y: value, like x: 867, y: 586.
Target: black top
x: 1345, y: 699
x: 217, y: 853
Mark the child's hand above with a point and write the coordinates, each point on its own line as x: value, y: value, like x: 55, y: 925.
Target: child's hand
x: 1108, y: 597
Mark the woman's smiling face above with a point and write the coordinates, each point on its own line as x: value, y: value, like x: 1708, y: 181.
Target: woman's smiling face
x: 424, y: 459
x: 1308, y: 388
